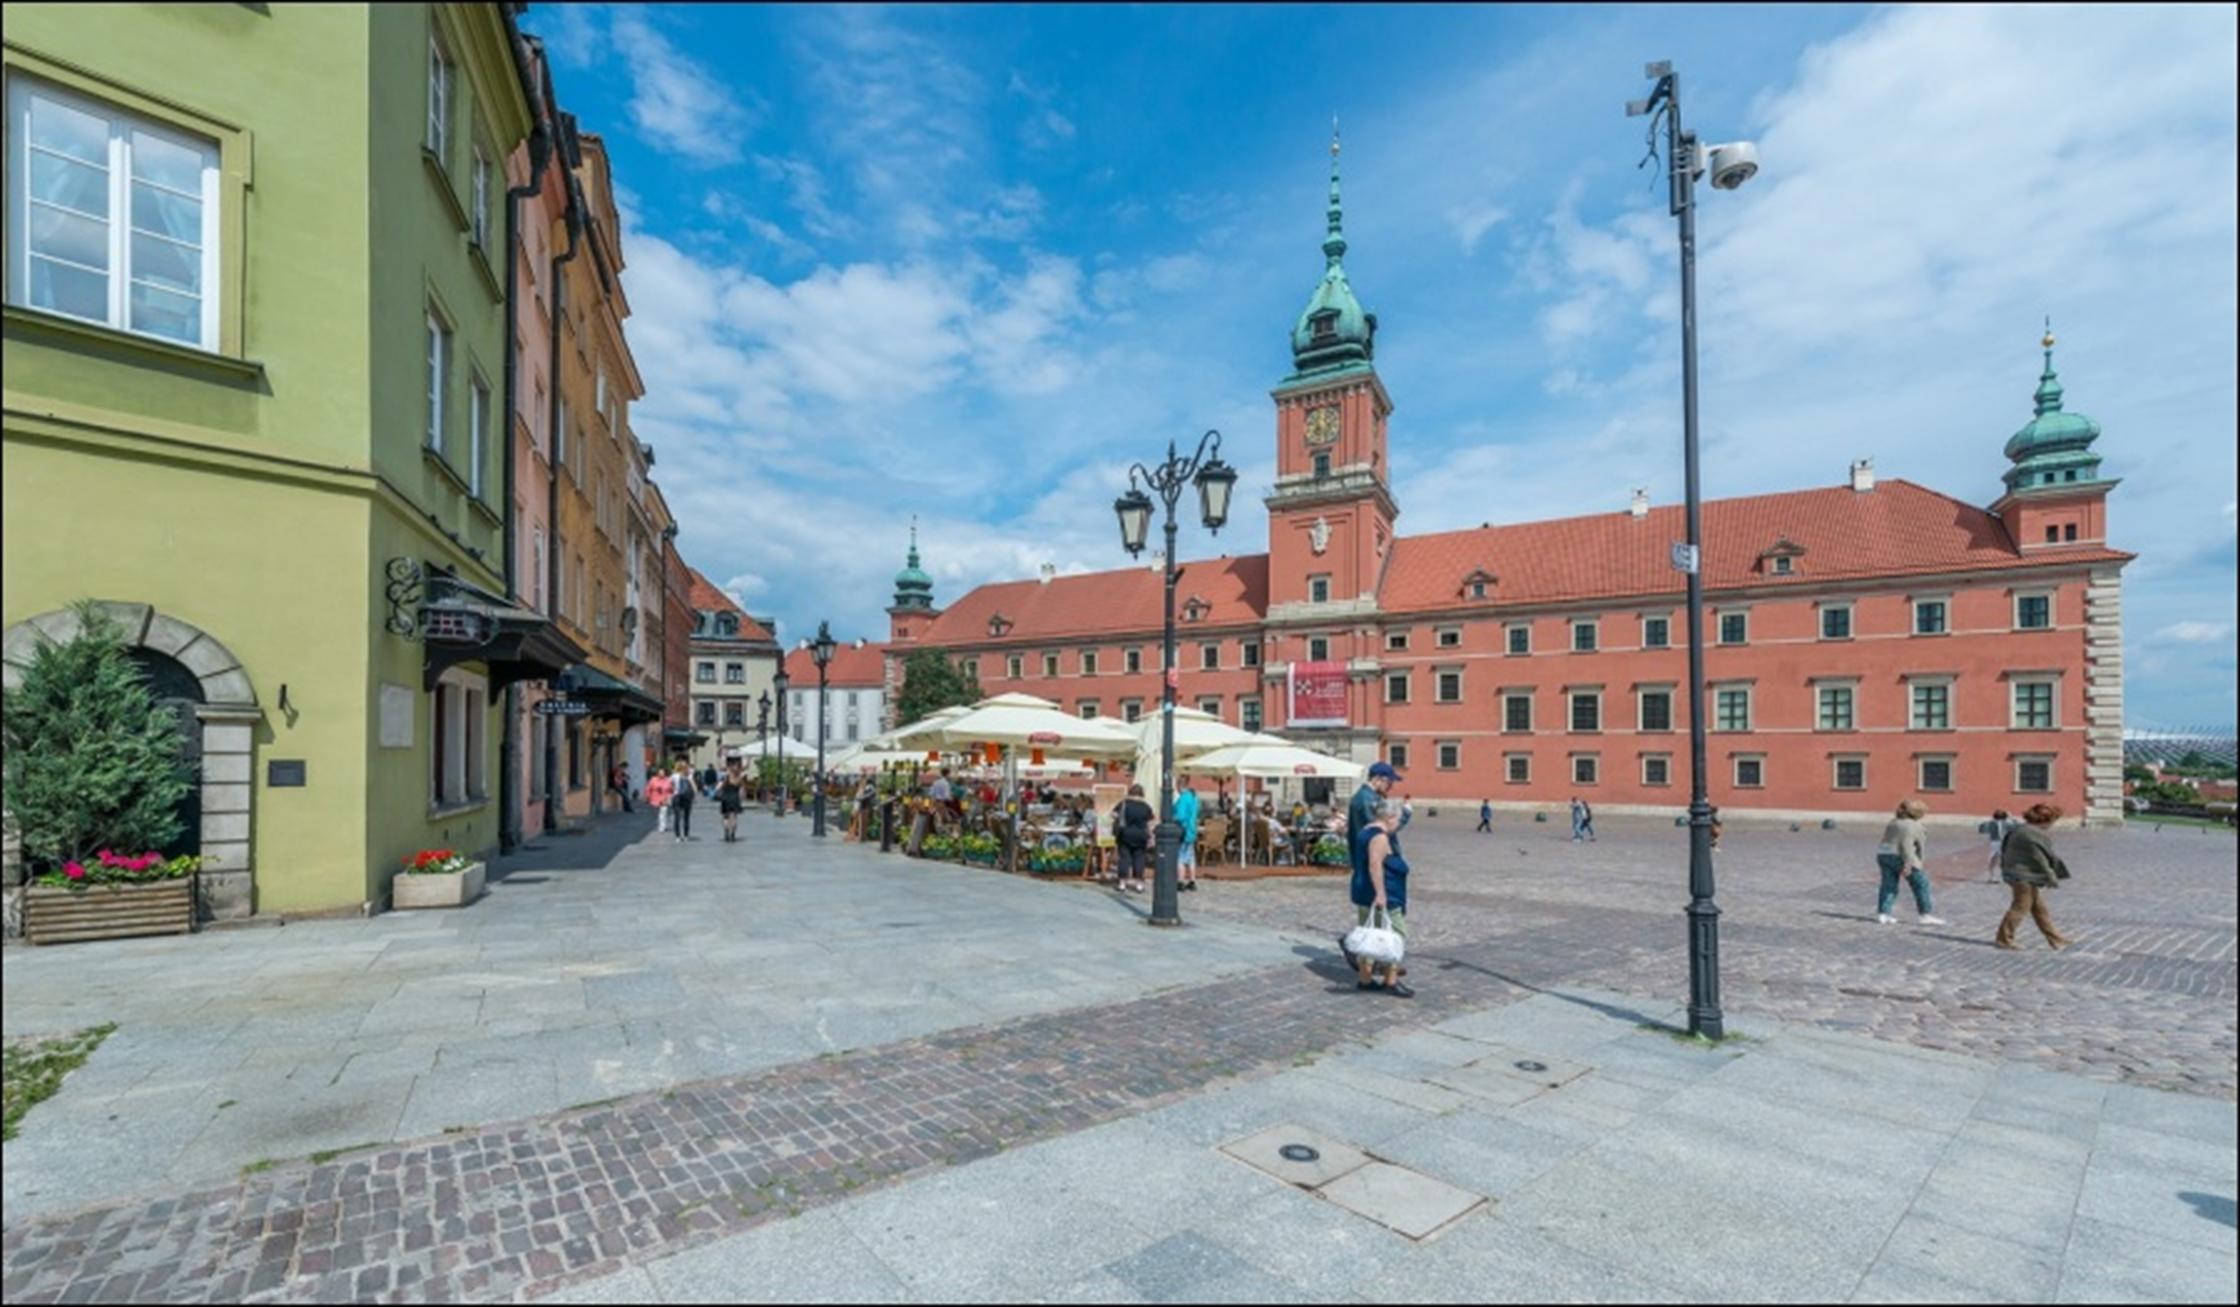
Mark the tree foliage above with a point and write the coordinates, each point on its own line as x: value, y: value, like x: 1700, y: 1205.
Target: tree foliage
x: 930, y: 682
x: 2168, y: 792
x: 92, y: 760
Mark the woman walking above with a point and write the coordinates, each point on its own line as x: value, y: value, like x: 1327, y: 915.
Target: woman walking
x: 1382, y: 883
x: 731, y: 796
x: 1133, y: 819
x: 680, y: 803
x: 1904, y: 849
x: 2031, y: 867
x: 658, y: 789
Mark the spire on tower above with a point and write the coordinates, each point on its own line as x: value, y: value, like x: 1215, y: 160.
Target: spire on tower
x: 1334, y: 244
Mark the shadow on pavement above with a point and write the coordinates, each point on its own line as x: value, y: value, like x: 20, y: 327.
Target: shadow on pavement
x: 589, y: 847
x: 2212, y: 1207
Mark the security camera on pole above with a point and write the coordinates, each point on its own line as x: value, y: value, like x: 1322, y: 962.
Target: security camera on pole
x: 1729, y: 166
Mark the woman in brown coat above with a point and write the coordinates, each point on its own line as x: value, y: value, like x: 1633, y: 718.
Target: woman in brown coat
x: 2030, y: 867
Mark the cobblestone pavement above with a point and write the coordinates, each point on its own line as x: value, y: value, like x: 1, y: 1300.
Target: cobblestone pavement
x: 2146, y: 997
x: 492, y: 1213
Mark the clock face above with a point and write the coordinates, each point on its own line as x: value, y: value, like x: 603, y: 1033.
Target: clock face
x: 1322, y: 425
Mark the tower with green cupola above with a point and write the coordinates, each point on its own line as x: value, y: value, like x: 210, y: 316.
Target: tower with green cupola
x: 912, y: 611
x: 2055, y: 495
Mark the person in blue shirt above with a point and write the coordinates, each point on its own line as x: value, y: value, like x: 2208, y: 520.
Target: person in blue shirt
x: 1381, y: 881
x: 1485, y: 814
x: 1186, y: 816
x: 1360, y: 813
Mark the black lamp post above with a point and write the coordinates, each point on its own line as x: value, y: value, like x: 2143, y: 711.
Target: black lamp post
x: 762, y: 733
x: 820, y: 652
x: 1730, y: 166
x: 778, y: 686
x: 1215, y: 480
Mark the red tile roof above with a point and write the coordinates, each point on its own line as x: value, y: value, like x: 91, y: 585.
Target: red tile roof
x: 1131, y: 600
x: 707, y: 598
x: 1896, y: 529
x: 851, y: 666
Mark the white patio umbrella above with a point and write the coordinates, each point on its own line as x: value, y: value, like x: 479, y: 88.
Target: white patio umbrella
x: 1195, y: 732
x: 774, y: 745
x: 919, y: 735
x: 862, y: 758
x: 1268, y: 758
x: 1022, y: 721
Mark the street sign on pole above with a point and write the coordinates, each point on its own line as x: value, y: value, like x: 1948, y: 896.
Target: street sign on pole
x: 1685, y: 558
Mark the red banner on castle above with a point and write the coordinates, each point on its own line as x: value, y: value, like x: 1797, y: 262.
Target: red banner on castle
x: 1318, y: 694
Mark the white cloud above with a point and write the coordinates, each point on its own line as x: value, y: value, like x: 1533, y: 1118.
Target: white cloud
x: 1472, y: 222
x: 2195, y: 633
x: 675, y: 103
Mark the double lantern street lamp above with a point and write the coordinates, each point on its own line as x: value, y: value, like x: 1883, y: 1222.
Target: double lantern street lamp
x: 1730, y: 166
x: 820, y: 651
x: 1215, y: 480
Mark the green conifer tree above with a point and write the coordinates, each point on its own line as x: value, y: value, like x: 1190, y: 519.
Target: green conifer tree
x: 91, y: 759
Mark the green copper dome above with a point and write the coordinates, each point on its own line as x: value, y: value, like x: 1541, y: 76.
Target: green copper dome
x: 912, y: 587
x: 1334, y: 332
x: 2054, y: 447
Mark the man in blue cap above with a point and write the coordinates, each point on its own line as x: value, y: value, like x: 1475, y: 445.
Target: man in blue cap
x: 1363, y: 810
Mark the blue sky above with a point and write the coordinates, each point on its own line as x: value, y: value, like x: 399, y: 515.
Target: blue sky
x: 968, y: 263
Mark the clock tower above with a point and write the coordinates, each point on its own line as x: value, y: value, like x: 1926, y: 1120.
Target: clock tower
x: 1330, y: 514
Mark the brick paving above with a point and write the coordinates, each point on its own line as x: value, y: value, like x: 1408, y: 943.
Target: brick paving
x: 2147, y: 997
x: 517, y: 1210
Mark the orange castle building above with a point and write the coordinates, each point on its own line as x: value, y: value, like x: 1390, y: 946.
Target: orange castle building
x: 1864, y: 642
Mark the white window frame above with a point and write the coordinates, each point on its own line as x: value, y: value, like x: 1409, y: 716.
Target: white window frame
x: 1318, y: 589
x: 1210, y: 705
x: 116, y: 218
x: 1571, y: 700
x: 1439, y: 677
x: 1015, y: 667
x: 1324, y: 642
x: 440, y: 72
x: 1944, y: 604
x: 1131, y: 660
x: 1835, y: 772
x: 1209, y: 656
x: 1509, y: 763
x: 1131, y: 710
x: 1447, y: 754
x: 1915, y: 684
x: 1506, y: 697
x: 1666, y: 619
x: 478, y: 207
x: 1719, y: 628
x: 463, y: 746
x: 1820, y: 706
x: 1509, y: 639
x: 1396, y: 753
x: 1088, y: 662
x: 478, y: 420
x: 1749, y: 708
x: 1783, y: 565
x: 1664, y: 758
x: 1049, y: 664
x: 2022, y: 760
x: 2053, y: 702
x: 1850, y: 620
x: 2045, y: 593
x: 1593, y: 627
x: 1951, y: 773
x: 1641, y: 695
x: 1593, y: 762
x: 1086, y: 707
x: 1250, y: 715
x: 439, y: 378
x: 1248, y: 651
x: 1403, y: 680
x: 1396, y: 641
x: 1448, y: 637
x: 1735, y: 771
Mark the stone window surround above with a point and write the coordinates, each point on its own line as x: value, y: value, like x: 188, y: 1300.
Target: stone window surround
x: 1835, y: 772
x: 1670, y: 691
x: 1509, y: 773
x: 2046, y: 592
x: 2048, y: 760
x: 1951, y: 763
x: 1664, y: 758
x: 1848, y: 607
x: 228, y: 716
x: 1740, y: 758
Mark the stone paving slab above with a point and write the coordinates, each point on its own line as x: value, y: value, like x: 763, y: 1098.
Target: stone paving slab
x: 1404, y: 1201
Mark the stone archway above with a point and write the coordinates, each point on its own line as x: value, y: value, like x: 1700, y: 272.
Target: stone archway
x: 228, y: 715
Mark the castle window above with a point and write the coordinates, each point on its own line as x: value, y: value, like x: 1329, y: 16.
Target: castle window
x: 1783, y: 565
x: 1321, y: 464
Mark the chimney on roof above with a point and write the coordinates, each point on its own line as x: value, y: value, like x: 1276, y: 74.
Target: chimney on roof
x: 1049, y: 573
x: 1862, y: 474
x: 1640, y: 502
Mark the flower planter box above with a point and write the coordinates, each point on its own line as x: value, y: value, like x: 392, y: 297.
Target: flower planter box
x: 53, y: 915
x: 453, y: 890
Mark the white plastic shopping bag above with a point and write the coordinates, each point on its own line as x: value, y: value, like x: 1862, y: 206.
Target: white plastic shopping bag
x: 1377, y: 942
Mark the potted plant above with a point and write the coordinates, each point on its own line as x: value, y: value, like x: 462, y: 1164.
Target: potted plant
x: 942, y: 847
x: 982, y: 848
x: 112, y: 897
x: 1329, y: 851
x: 437, y: 878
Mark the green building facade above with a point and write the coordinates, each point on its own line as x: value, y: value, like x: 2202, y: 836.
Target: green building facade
x: 254, y: 404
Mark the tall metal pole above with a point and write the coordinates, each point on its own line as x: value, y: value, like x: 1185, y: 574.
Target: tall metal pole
x: 1166, y: 906
x: 781, y: 754
x: 817, y: 825
x: 1704, y: 1015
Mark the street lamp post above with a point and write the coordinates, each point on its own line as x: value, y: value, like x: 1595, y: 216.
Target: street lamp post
x: 778, y: 686
x: 820, y: 652
x: 1215, y: 480
x: 762, y: 734
x: 1730, y: 166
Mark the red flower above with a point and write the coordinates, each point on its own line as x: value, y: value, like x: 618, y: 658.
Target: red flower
x: 74, y: 870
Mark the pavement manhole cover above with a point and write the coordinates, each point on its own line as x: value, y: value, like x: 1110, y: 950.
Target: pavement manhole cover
x: 1299, y: 1153
x: 1527, y: 1064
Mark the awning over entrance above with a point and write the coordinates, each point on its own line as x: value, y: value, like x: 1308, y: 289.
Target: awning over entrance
x: 518, y: 644
x: 684, y: 738
x: 608, y: 696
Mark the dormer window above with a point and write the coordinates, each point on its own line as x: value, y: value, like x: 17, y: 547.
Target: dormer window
x: 1783, y: 565
x: 1323, y: 326
x: 727, y: 624
x: 1478, y: 584
x: 1782, y: 558
x: 1195, y: 609
x: 998, y: 624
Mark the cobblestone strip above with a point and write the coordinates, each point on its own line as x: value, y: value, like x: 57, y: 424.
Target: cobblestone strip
x: 518, y: 1210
